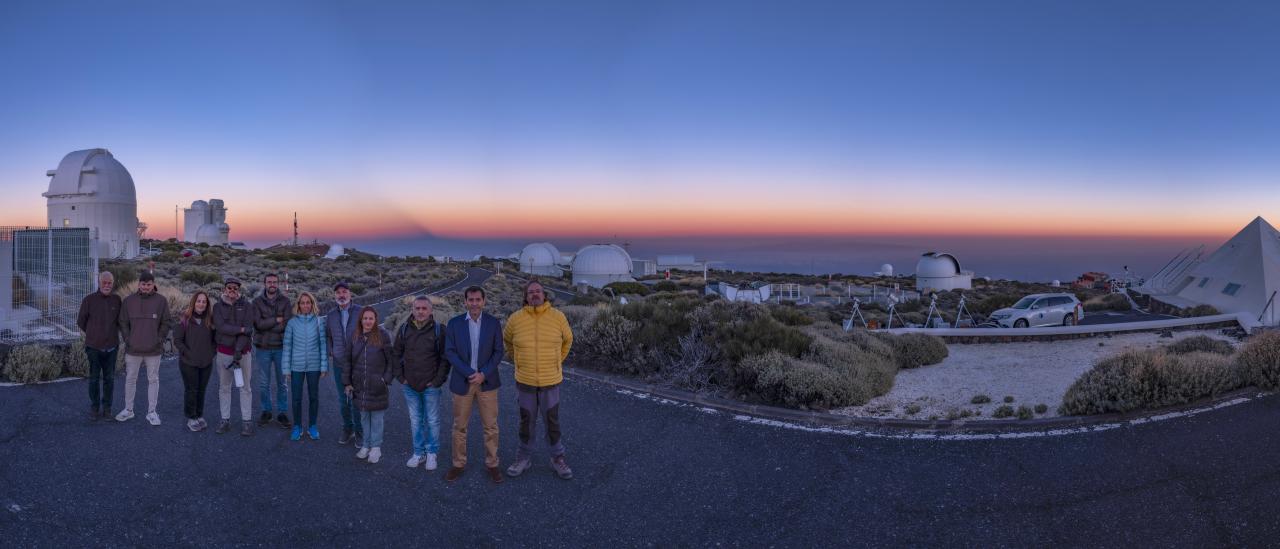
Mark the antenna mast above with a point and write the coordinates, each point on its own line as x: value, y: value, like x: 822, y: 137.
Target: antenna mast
x: 295, y: 228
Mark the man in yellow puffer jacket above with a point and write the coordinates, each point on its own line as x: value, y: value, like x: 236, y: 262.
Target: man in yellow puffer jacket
x: 538, y: 339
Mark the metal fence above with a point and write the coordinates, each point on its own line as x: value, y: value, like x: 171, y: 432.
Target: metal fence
x: 48, y: 272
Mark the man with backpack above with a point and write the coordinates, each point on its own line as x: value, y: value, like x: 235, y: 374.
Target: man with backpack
x: 422, y: 369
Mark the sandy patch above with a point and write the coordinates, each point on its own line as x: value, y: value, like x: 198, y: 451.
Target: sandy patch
x: 1032, y: 373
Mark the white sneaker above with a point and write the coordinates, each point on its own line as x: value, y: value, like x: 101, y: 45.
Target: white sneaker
x: 363, y: 453
x: 413, y: 461
x: 375, y: 455
x: 153, y: 418
x: 431, y: 462
x: 124, y: 415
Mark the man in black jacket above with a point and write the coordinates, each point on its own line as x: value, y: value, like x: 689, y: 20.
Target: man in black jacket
x: 99, y: 319
x: 271, y: 312
x: 233, y: 324
x: 422, y: 370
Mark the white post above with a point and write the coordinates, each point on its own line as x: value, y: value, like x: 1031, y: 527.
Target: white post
x: 93, y: 252
x: 48, y: 302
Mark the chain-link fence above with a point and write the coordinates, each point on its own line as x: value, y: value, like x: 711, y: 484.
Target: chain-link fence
x: 49, y: 270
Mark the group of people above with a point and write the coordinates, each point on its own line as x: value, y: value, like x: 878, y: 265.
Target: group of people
x: 294, y: 344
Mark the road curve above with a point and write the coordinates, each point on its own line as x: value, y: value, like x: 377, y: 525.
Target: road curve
x: 646, y: 473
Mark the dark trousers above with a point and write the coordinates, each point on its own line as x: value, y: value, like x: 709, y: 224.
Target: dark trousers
x: 313, y: 395
x: 194, y: 381
x: 102, y: 377
x: 535, y: 401
x: 350, y: 415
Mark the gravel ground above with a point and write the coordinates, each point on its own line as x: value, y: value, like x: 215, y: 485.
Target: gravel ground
x: 1032, y: 373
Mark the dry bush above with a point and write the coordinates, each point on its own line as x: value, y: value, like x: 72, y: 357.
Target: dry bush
x: 76, y: 362
x: 1147, y: 379
x: 31, y: 363
x: 579, y: 316
x: 1199, y: 310
x: 1201, y: 344
x: 1108, y: 302
x: 915, y: 350
x: 777, y: 378
x: 1259, y: 360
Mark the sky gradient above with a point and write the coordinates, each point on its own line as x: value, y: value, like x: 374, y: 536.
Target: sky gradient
x: 875, y: 122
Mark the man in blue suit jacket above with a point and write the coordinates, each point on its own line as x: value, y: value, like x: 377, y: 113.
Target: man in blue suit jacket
x: 473, y: 346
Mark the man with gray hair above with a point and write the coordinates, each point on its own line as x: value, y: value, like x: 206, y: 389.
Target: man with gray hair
x: 99, y: 319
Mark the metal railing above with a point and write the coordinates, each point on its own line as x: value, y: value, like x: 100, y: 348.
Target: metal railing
x: 44, y: 274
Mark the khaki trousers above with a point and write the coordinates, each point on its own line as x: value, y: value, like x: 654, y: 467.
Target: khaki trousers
x: 487, y: 401
x: 227, y: 382
x: 131, y: 364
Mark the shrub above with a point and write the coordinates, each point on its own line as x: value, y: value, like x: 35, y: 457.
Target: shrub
x: 30, y: 363
x: 791, y: 316
x: 1150, y: 379
x: 1199, y: 310
x: 1201, y: 344
x: 1109, y: 302
x: 993, y: 303
x: 776, y: 377
x: 1003, y: 412
x: 1259, y: 360
x: 980, y: 399
x: 357, y: 288
x: 1008, y: 399
x: 632, y: 288
x: 915, y: 350
x: 666, y: 286
x: 913, y: 409
x: 579, y: 316
x: 1024, y: 412
x: 123, y: 273
x: 607, y: 342
x: 1042, y: 408
x: 76, y: 362
x: 200, y: 278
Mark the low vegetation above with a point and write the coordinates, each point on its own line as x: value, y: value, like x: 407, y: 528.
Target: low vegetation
x: 32, y: 363
x: 764, y: 354
x: 1201, y: 344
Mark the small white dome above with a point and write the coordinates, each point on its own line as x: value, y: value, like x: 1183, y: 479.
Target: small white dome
x: 936, y: 265
x: 886, y: 270
x: 602, y: 259
x: 539, y: 254
x: 199, y: 205
x: 1056, y: 284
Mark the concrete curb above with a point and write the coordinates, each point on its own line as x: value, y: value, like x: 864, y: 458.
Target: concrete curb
x: 825, y: 419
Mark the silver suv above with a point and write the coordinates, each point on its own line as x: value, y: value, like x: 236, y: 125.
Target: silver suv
x: 1041, y: 310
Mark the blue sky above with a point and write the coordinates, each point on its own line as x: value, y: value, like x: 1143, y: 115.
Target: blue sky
x: 789, y: 111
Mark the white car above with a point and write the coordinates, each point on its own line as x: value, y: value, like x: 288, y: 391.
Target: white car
x: 1041, y: 310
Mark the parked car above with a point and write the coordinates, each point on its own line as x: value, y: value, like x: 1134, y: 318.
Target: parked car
x: 1041, y: 310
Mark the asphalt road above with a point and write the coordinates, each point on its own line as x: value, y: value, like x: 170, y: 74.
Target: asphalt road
x: 646, y: 474
x: 475, y: 276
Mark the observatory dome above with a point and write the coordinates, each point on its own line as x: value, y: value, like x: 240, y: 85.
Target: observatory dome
x: 602, y: 259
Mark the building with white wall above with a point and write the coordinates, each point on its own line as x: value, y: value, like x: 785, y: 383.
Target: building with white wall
x: 599, y: 264
x: 206, y: 223
x: 540, y: 258
x: 92, y: 189
x: 941, y: 272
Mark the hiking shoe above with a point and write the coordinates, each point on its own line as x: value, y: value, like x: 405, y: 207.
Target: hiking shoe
x: 201, y: 424
x: 153, y: 418
x: 193, y: 425
x: 246, y: 429
x: 561, y: 467
x: 94, y: 412
x: 495, y: 475
x: 346, y: 436
x: 414, y: 461
x: 313, y: 432
x: 265, y: 418
x: 519, y: 467
x: 453, y: 474
x: 283, y: 420
x: 223, y: 426
x: 363, y: 453
x: 106, y: 413
x: 375, y: 455
x: 297, y: 433
x: 124, y: 415
x: 431, y: 462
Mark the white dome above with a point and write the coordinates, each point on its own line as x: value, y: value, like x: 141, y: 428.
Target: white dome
x: 207, y: 233
x: 602, y: 259
x: 936, y: 265
x: 199, y: 205
x: 92, y: 175
x: 539, y: 254
x: 1056, y: 284
x: 886, y: 269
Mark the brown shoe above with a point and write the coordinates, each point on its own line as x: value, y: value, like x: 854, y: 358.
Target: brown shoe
x: 453, y: 474
x: 495, y: 475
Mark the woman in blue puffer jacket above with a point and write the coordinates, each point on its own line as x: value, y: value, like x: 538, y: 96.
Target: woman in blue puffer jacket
x: 305, y: 359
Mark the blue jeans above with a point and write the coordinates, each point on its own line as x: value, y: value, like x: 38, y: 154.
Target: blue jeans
x: 424, y: 419
x: 350, y: 417
x: 267, y: 364
x: 372, y: 422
